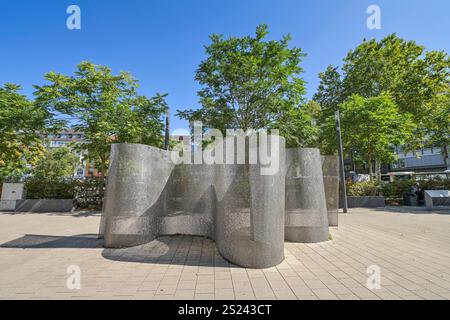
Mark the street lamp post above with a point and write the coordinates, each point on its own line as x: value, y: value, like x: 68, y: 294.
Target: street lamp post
x: 167, y: 137
x: 341, y: 162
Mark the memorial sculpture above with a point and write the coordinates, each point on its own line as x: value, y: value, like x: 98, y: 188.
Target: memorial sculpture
x: 248, y: 214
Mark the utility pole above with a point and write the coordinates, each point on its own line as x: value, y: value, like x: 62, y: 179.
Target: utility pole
x: 167, y: 137
x: 341, y: 162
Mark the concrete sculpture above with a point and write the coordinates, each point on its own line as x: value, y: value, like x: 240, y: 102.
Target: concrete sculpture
x: 243, y: 211
x: 330, y: 169
x: 306, y: 210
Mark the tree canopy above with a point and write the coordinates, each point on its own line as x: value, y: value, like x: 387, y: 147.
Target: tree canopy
x: 106, y: 107
x: 22, y: 124
x: 438, y: 124
x: 57, y: 163
x: 373, y: 126
x: 250, y: 83
x: 412, y: 77
x: 411, y: 74
x: 330, y: 91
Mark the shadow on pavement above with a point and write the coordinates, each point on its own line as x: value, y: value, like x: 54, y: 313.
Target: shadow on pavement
x: 34, y: 241
x: 176, y: 250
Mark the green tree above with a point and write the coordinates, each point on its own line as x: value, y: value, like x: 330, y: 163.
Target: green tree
x: 21, y: 126
x: 412, y: 75
x: 249, y: 83
x: 330, y: 92
x: 298, y: 125
x: 374, y: 126
x: 106, y: 107
x: 329, y: 95
x: 56, y: 164
x: 438, y: 124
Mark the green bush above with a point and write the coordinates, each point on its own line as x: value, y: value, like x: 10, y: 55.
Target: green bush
x: 396, y: 189
x: 360, y: 189
x: 57, y: 164
x: 87, y: 192
x: 49, y: 189
x: 435, y: 184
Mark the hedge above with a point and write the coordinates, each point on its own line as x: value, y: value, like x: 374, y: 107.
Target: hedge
x: 396, y: 189
x: 88, y: 193
x: 360, y: 189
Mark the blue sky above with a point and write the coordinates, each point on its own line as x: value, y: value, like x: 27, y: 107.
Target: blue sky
x: 162, y: 42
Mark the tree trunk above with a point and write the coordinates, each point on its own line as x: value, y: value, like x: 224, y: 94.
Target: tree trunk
x: 378, y: 169
x: 369, y: 161
x: 102, y: 227
x: 446, y: 157
x: 103, y: 169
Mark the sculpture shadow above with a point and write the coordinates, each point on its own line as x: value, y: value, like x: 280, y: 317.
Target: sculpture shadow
x: 176, y: 249
x: 172, y: 249
x: 34, y: 241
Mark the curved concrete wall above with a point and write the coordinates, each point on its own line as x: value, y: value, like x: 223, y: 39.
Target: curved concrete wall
x: 306, y: 211
x: 242, y: 210
x: 330, y: 168
x: 135, y: 193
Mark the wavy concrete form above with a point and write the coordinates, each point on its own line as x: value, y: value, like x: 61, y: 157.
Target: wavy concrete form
x: 306, y: 210
x: 330, y: 168
x: 242, y: 210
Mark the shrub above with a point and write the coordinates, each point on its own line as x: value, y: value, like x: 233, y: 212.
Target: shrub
x: 88, y: 193
x: 49, y: 188
x: 360, y: 189
x: 396, y: 189
x: 435, y: 184
x: 57, y: 163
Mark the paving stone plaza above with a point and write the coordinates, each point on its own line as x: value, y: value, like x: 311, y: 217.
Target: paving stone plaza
x: 410, y: 246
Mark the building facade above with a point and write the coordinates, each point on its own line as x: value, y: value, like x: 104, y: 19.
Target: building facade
x: 425, y: 160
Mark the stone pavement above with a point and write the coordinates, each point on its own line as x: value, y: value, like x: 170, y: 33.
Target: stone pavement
x: 411, y: 247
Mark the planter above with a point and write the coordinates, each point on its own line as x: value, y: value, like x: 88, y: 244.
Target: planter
x: 411, y: 200
x: 11, y: 193
x: 437, y: 199
x: 365, y: 202
x: 45, y: 205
